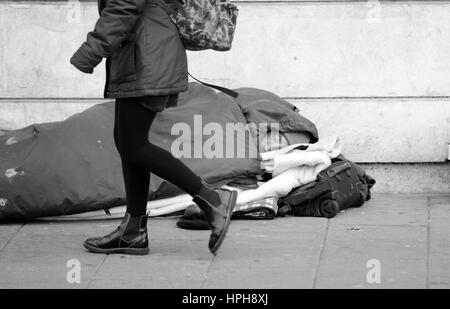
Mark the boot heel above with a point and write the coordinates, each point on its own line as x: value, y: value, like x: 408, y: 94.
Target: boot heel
x: 136, y: 251
x: 129, y: 251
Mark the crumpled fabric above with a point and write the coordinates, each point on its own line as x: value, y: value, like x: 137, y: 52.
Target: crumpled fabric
x: 292, y: 167
x: 277, y: 161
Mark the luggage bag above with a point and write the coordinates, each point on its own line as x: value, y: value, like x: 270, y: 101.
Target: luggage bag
x: 340, y: 186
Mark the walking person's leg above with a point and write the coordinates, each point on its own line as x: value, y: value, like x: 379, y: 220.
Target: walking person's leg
x: 139, y: 158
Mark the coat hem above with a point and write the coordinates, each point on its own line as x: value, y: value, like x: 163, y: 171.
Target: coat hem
x: 144, y: 92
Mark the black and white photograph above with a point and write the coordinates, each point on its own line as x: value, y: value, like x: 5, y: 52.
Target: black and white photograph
x: 224, y: 150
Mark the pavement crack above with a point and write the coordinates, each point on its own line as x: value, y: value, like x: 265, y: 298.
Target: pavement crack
x: 202, y: 286
x: 16, y: 232
x: 99, y: 266
x: 322, y: 249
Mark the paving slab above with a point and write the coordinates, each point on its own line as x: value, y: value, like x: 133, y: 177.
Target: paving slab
x: 282, y: 253
x: 439, y: 243
x: 179, y: 264
x: 166, y: 228
x: 400, y: 251
x: 178, y: 259
x: 387, y: 209
x: 409, y: 235
x: 7, y: 232
x: 38, y: 255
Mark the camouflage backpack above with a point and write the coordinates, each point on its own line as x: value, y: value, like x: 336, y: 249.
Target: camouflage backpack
x: 203, y: 24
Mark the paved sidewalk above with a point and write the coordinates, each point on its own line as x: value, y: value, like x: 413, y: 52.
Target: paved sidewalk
x: 408, y: 234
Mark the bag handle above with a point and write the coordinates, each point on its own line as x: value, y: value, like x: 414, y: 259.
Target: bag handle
x: 338, y: 169
x: 230, y: 92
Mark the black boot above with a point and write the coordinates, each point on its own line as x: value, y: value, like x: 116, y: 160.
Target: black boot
x: 218, y: 214
x: 129, y: 238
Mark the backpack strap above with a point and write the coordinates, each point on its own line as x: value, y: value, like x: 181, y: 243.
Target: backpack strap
x: 230, y: 92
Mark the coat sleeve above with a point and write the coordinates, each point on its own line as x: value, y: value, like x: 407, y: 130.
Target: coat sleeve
x: 116, y: 21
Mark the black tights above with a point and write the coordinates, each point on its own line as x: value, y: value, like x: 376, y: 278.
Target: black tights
x: 140, y: 157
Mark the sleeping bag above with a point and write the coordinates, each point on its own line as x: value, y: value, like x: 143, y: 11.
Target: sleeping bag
x: 72, y: 166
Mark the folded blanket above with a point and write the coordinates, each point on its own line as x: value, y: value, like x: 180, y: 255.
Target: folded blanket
x: 277, y: 161
x: 292, y: 167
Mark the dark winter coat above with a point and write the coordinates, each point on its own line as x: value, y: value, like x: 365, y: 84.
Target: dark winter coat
x: 145, y: 55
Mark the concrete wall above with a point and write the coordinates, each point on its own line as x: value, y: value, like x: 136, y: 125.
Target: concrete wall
x: 373, y: 130
x: 378, y: 76
x: 384, y: 130
x: 296, y: 49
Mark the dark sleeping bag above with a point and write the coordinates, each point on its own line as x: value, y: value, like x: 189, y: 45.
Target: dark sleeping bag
x: 72, y: 166
x: 62, y: 167
x: 209, y: 133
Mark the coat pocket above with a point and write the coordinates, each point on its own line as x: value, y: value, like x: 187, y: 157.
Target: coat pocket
x: 123, y: 63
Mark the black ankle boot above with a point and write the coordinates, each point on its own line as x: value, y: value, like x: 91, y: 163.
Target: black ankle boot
x: 129, y: 238
x: 217, y: 216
